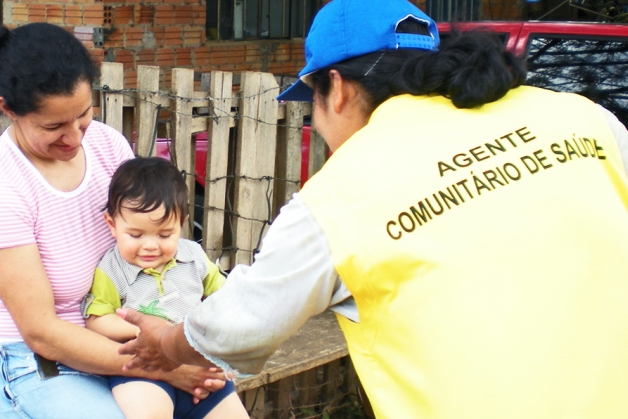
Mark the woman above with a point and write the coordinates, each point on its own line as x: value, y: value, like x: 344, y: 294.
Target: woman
x: 55, y: 168
x: 470, y: 232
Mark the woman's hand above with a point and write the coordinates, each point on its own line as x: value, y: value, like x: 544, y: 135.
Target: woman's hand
x: 198, y: 381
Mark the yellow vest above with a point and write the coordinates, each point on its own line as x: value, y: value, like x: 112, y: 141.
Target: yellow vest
x: 487, y: 250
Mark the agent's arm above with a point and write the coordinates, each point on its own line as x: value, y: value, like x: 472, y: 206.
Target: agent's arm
x: 259, y: 307
x: 160, y: 346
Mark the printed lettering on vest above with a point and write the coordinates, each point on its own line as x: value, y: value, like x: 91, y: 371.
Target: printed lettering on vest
x: 475, y: 184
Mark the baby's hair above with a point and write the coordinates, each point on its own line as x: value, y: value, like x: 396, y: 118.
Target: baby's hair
x: 144, y: 184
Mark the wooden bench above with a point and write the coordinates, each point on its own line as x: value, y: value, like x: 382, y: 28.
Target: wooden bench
x: 310, y: 372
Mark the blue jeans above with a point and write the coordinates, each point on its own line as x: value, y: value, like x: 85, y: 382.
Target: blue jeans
x: 71, y: 394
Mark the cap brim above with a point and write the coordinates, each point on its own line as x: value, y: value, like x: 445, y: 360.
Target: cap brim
x: 298, y: 92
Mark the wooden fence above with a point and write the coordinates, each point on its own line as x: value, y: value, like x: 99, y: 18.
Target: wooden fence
x: 253, y: 154
x: 253, y: 166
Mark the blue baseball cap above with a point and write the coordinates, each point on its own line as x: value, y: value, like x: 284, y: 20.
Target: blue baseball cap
x: 346, y: 29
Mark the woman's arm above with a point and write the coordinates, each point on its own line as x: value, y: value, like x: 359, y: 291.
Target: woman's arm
x: 26, y: 292
x: 113, y: 327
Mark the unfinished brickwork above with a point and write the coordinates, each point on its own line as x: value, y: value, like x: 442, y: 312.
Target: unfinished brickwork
x: 171, y: 33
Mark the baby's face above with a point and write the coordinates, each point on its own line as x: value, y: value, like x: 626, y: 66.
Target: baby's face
x: 143, y: 239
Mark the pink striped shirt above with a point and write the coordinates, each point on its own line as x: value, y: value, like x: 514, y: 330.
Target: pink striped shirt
x: 68, y: 227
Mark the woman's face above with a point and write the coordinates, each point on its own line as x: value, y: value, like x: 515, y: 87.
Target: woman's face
x: 56, y: 129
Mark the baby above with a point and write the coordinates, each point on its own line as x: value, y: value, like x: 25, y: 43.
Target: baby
x: 154, y: 271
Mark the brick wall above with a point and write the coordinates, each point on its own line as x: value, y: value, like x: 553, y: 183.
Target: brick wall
x: 171, y: 33
x: 152, y: 32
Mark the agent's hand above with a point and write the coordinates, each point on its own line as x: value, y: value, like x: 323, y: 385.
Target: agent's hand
x: 146, y: 348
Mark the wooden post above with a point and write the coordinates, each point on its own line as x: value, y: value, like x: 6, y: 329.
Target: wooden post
x: 319, y: 152
x: 182, y: 89
x: 333, y: 378
x: 255, y: 161
x: 112, y: 79
x: 288, y: 167
x: 280, y: 395
x: 254, y: 402
x: 220, y: 90
x: 309, y: 388
x: 147, y: 109
x: 128, y: 123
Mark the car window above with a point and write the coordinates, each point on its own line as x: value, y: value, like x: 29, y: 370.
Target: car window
x: 593, y: 67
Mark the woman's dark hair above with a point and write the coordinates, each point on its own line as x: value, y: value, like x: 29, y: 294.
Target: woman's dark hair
x: 470, y: 68
x: 144, y: 184
x: 39, y: 60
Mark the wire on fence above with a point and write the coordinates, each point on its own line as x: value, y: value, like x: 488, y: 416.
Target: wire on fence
x: 164, y: 102
x: 135, y: 94
x: 334, y: 396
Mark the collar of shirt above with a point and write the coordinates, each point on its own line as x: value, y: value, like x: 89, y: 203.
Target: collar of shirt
x: 131, y: 271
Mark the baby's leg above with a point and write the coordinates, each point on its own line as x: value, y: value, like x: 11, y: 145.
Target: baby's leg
x: 143, y: 400
x: 230, y: 407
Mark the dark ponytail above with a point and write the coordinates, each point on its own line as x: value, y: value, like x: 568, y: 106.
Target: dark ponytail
x: 471, y: 68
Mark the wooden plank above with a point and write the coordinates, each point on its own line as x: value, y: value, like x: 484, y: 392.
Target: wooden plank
x: 147, y: 109
x: 289, y: 144
x: 219, y: 88
x: 128, y: 123
x: 351, y: 378
x: 200, y: 99
x: 182, y: 89
x: 319, y: 152
x: 254, y: 402
x: 112, y: 80
x: 199, y: 124
x: 333, y: 380
x: 280, y: 397
x: 317, y: 342
x: 204, y: 86
x: 309, y: 387
x: 128, y: 101
x: 281, y: 157
x: 294, y: 123
x: 255, y: 162
x: 281, y: 110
